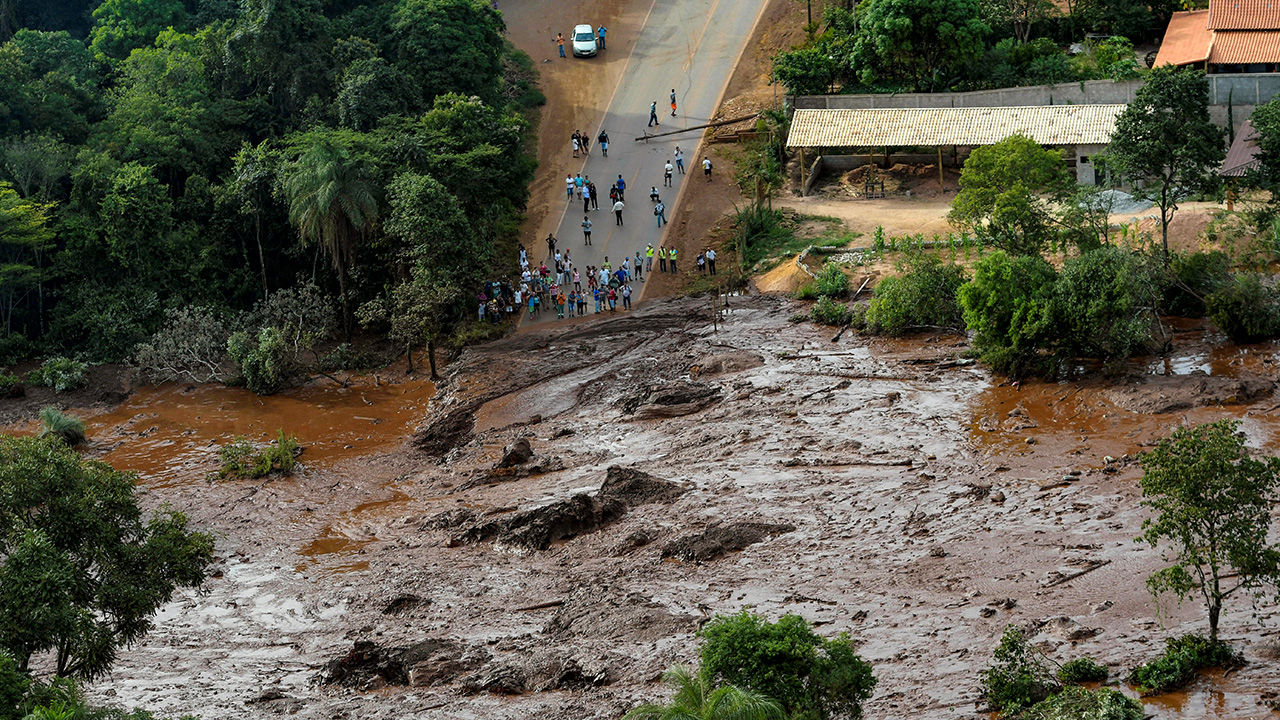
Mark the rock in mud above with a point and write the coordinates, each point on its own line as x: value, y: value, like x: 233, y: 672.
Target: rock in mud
x: 719, y: 540
x: 595, y: 612
x: 671, y: 400
x: 536, y: 529
x: 369, y: 665
x: 728, y: 362
x: 496, y: 679
x: 402, y: 603
x: 1064, y: 628
x: 1165, y: 394
x: 517, y: 453
x: 452, y: 430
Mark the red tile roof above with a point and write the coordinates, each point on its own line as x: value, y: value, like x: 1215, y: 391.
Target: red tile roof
x: 1242, y: 47
x: 1187, y: 40
x: 1244, y: 14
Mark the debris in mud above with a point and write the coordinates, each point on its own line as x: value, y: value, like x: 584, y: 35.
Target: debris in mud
x: 430, y: 662
x: 719, y: 540
x: 506, y: 473
x: 402, y: 603
x: 593, y: 612
x: 728, y: 362
x: 1065, y: 629
x: 517, y: 453
x: 536, y: 529
x: 1165, y: 394
x: 671, y: 400
x: 550, y: 670
x: 452, y: 430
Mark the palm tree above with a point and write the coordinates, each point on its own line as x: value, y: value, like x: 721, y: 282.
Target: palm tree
x: 332, y: 203
x: 697, y: 699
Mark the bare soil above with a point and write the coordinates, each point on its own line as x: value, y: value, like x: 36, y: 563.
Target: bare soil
x: 887, y: 488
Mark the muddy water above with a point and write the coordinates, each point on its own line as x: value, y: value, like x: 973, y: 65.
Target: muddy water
x: 170, y: 433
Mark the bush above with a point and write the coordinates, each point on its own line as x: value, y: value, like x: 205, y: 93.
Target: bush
x: 1195, y: 277
x: 1018, y: 676
x: 192, y: 346
x: 1082, y: 670
x: 10, y: 386
x: 1245, y: 309
x: 15, y: 348
x: 57, y: 423
x: 830, y: 312
x: 807, y: 291
x: 1009, y: 307
x: 303, y: 315
x: 1077, y: 703
x: 923, y: 296
x: 757, y: 231
x: 13, y: 687
x: 1182, y: 657
x: 346, y: 357
x: 832, y: 281
x: 1105, y: 303
x: 61, y: 374
x: 264, y: 364
x: 241, y: 459
x: 810, y: 676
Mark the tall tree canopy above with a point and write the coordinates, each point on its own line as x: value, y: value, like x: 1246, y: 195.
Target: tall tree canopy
x: 919, y: 44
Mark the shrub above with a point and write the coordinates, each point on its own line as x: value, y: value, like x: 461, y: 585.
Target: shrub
x: 15, y: 348
x: 1082, y: 670
x: 810, y: 676
x: 1077, y: 703
x: 832, y: 281
x: 1245, y: 309
x: 830, y: 312
x: 923, y: 296
x: 61, y: 374
x: 241, y: 459
x: 1106, y: 302
x: 1195, y: 277
x: 345, y: 357
x: 1018, y: 676
x: 10, y: 386
x: 1009, y: 306
x: 264, y: 363
x: 807, y: 291
x: 302, y: 315
x: 757, y: 231
x: 57, y: 423
x: 192, y: 345
x: 1182, y: 657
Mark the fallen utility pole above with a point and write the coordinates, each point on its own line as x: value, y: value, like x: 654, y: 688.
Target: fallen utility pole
x: 718, y: 123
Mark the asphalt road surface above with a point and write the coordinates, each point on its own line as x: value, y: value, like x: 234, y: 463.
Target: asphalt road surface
x: 693, y: 47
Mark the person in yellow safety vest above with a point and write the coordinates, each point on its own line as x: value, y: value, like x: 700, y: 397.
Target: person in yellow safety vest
x: 648, y: 258
x: 672, y: 257
x: 662, y: 258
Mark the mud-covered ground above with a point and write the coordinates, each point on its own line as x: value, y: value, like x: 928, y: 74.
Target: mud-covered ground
x: 674, y: 471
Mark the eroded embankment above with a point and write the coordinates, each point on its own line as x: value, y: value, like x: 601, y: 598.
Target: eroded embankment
x: 886, y: 489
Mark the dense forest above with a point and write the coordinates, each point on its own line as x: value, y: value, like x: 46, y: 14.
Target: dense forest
x: 175, y: 172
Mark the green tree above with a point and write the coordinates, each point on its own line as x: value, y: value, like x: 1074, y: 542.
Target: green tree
x: 122, y: 26
x: 25, y: 239
x: 1211, y: 503
x: 1007, y: 191
x: 370, y: 89
x: 1018, y: 676
x: 812, y: 677
x: 418, y: 312
x: 81, y: 570
x: 922, y: 297
x: 1019, y: 16
x: 332, y: 203
x: 1266, y: 121
x: 805, y: 71
x: 1106, y: 304
x: 35, y: 163
x: 428, y: 225
x: 1164, y: 142
x: 449, y: 46
x: 252, y: 178
x: 279, y: 50
x: 697, y: 699
x: 48, y: 85
x: 1245, y: 309
x: 1009, y: 306
x: 922, y: 43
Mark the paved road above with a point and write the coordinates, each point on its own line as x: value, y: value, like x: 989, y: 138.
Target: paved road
x: 692, y: 46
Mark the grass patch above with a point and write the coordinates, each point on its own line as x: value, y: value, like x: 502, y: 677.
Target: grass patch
x: 242, y: 460
x: 1082, y: 670
x: 1183, y: 657
x: 831, y: 312
x: 54, y: 422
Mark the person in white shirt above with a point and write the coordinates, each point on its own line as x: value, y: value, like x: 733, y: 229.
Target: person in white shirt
x: 706, y: 167
x: 666, y: 175
x: 679, y: 159
x: 617, y: 211
x: 711, y: 261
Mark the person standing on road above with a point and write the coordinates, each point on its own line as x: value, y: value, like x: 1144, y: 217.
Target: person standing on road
x: 673, y: 102
x: 671, y: 256
x: 648, y: 257
x: 639, y: 266
x: 586, y: 197
x: 706, y: 167
x: 568, y: 186
x: 560, y: 42
x: 586, y: 143
x: 577, y: 142
x: 617, y: 211
x: 601, y: 33
x: 660, y: 211
x: 622, y: 188
x: 551, y: 245
x: 578, y: 182
x: 577, y: 281
x: 586, y: 231
x: 653, y: 113
x: 662, y: 258
x: 679, y: 159
x: 666, y: 174
x: 626, y: 297
x: 595, y: 197
x: 603, y: 137
x: 711, y: 260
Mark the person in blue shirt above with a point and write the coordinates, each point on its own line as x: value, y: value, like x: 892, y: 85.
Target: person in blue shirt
x: 622, y: 188
x: 601, y: 32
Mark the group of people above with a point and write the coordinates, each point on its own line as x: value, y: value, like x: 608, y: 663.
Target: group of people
x: 560, y: 287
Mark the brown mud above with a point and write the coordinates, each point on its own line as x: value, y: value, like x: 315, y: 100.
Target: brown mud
x: 884, y: 488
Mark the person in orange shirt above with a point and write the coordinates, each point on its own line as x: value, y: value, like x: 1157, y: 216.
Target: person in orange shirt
x: 560, y: 43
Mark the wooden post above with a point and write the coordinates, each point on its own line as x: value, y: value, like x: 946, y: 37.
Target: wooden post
x: 803, y: 169
x: 940, y: 182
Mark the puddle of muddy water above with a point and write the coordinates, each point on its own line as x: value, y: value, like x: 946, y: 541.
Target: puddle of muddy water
x: 170, y: 434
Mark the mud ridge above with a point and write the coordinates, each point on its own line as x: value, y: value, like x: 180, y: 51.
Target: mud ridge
x: 719, y: 540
